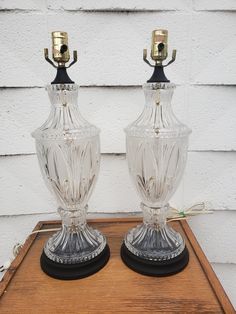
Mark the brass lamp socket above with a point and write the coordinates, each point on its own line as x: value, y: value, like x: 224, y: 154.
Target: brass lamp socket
x: 60, y: 49
x: 159, y: 48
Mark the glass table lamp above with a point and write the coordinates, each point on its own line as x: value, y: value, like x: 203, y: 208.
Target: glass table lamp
x: 156, y: 145
x: 68, y: 151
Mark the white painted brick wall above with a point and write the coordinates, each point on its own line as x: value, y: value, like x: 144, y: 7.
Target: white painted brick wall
x: 32, y: 5
x: 111, y: 35
x: 214, y: 5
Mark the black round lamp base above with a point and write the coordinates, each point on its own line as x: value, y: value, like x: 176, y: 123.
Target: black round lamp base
x: 154, y: 268
x: 74, y: 271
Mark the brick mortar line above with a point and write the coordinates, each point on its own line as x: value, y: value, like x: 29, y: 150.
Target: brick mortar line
x: 49, y: 10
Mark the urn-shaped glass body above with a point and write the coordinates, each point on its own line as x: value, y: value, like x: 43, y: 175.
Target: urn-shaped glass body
x: 156, y: 146
x: 68, y: 151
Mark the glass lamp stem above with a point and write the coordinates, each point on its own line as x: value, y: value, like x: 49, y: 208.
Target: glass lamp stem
x: 74, y: 220
x: 155, y: 217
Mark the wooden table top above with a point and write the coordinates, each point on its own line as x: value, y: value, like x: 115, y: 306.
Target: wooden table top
x: 114, y: 289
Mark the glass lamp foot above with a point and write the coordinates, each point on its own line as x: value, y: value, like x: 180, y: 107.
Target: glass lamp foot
x: 74, y: 271
x: 154, y: 268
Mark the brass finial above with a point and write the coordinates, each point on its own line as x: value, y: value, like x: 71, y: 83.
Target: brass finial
x: 159, y: 48
x: 60, y: 50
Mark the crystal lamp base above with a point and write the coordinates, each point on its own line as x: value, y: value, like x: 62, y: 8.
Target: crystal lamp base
x: 77, y: 270
x: 153, y: 247
x: 74, y: 244
x: 77, y: 250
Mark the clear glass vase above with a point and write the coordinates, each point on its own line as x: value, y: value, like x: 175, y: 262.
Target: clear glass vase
x: 68, y: 150
x: 156, y: 146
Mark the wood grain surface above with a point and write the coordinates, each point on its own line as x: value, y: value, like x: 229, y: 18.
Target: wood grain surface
x: 116, y: 288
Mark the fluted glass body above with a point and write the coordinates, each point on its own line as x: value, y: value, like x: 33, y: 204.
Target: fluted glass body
x: 156, y: 146
x: 68, y: 151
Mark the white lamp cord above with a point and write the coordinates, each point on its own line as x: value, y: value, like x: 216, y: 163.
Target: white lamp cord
x: 17, y: 247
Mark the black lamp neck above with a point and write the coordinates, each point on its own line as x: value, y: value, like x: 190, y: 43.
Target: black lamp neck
x: 62, y: 77
x: 158, y: 75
